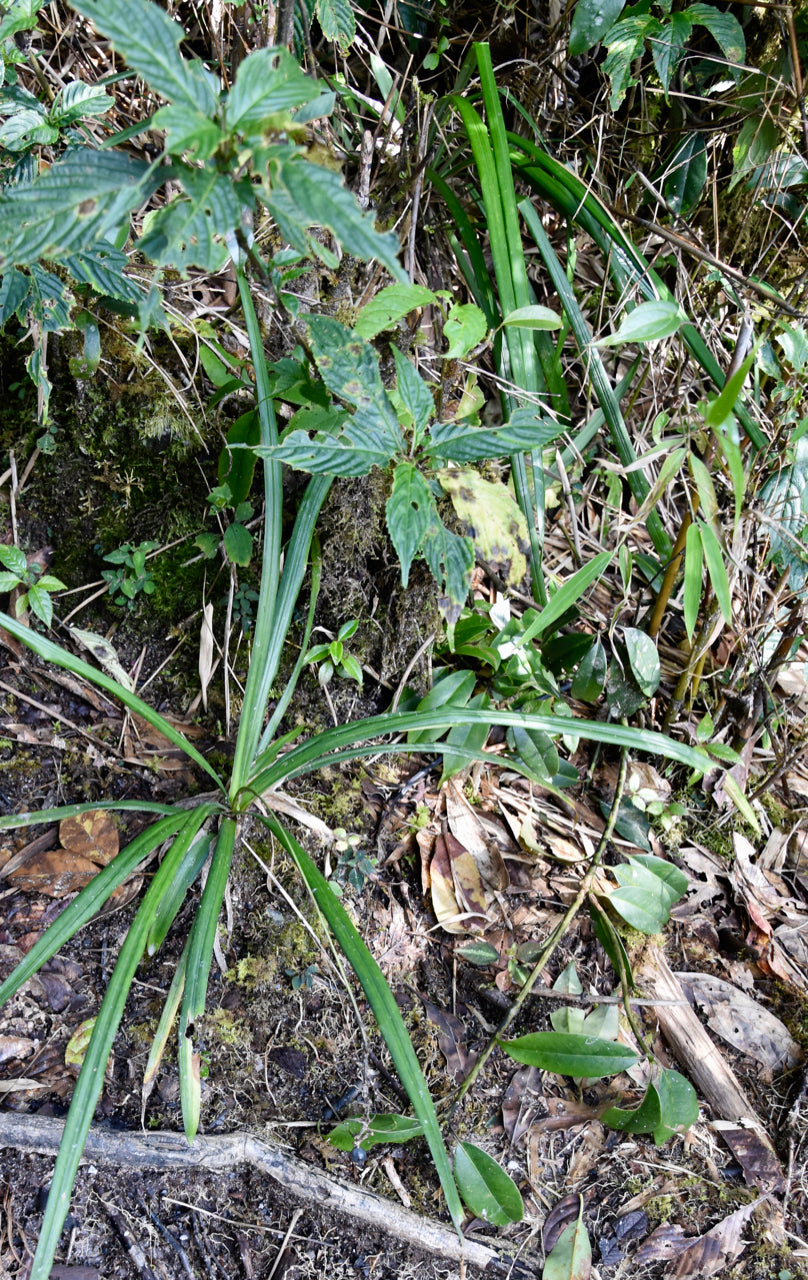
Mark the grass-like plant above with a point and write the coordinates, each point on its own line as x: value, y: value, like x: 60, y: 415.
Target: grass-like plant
x: 231, y: 157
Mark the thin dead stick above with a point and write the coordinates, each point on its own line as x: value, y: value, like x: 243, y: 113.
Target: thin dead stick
x: 170, y: 1152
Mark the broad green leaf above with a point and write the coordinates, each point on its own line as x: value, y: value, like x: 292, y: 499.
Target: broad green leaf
x: 643, y: 659
x: 668, y: 45
x: 494, y: 521
x: 568, y: 1021
x: 188, y: 130
x: 14, y: 289
x: 190, y: 230
x: 783, y: 496
x: 486, y: 1188
x: 149, y: 40
x: 27, y: 128
x: 384, y: 1007
x: 465, y: 328
x: 237, y: 466
x: 14, y: 560
x: 584, y: 1057
x: 103, y: 267
x: 648, y: 322
x: 714, y: 556
x: 41, y: 604
x: 19, y: 15
x: 694, y: 562
x: 238, y: 544
x: 537, y: 752
x: 451, y: 690
x: 413, y: 393
x: 378, y: 1129
x: 390, y: 305
x: 632, y: 874
x: 603, y: 1021
x: 725, y: 29
x: 571, y: 1256
x: 670, y: 1105
x: 77, y: 100
x: 757, y: 141
x: 86, y: 365
x: 268, y: 82
x: 675, y: 879
x: 589, y: 679
x: 590, y: 22
x: 568, y: 983
x: 532, y: 317
x: 337, y: 21
x: 467, y: 738
x: 686, y: 174
x: 648, y: 889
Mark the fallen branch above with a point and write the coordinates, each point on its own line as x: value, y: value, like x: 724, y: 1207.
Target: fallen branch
x: 170, y: 1152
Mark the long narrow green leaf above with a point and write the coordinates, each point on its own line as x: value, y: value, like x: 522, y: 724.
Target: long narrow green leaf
x: 567, y: 596
x: 16, y: 821
x: 91, y: 899
x: 200, y: 955
x: 716, y: 568
x: 385, y: 1009
x: 565, y: 191
x: 91, y: 1077
x: 693, y: 575
x: 60, y: 657
x: 313, y: 754
x: 259, y: 677
x: 609, y: 403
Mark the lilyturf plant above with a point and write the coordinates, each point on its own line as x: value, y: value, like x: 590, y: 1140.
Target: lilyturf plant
x: 233, y: 158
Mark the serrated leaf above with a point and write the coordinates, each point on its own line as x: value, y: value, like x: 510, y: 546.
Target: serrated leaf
x: 725, y: 29
x: 668, y: 46
x: 590, y: 22
x: 14, y: 560
x: 584, y: 1057
x: 648, y: 322
x: 410, y: 509
x: 413, y: 392
x: 149, y: 40
x: 459, y: 442
x: 486, y: 1188
x: 41, y: 603
x: 451, y: 559
x: 191, y: 230
x: 625, y: 42
x: 77, y: 100
x: 643, y: 660
x: 268, y: 82
x: 337, y: 21
x: 389, y: 306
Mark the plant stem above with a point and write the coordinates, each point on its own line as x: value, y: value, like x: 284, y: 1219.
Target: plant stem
x: 555, y: 937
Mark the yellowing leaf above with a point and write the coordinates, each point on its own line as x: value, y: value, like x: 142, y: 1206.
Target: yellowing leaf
x: 494, y: 520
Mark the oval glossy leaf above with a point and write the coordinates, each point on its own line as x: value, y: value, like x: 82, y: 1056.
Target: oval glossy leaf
x: 589, y: 679
x: 644, y: 909
x: 669, y: 1106
x: 591, y: 20
x: 238, y: 544
x: 533, y: 317
x: 643, y: 660
x: 586, y: 1057
x: 485, y: 1187
x: 571, y: 1256
x: 686, y: 174
x: 648, y: 322
x: 675, y: 879
x: 481, y: 954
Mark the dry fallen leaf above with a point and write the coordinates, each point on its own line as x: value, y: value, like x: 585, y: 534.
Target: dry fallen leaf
x: 738, y: 1018
x: 93, y: 834
x: 709, y: 1254
x: 755, y: 1154
x: 54, y: 872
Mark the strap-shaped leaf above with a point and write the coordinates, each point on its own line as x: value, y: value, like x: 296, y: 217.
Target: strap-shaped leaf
x: 149, y: 40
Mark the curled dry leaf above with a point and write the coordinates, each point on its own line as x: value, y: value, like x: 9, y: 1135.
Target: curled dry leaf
x: 453, y: 1041
x: 206, y: 648
x: 710, y: 1254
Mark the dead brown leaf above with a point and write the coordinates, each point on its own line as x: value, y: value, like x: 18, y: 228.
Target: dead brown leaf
x: 54, y: 872
x: 754, y: 1153
x: 93, y: 835
x: 739, y: 1020
x: 709, y: 1254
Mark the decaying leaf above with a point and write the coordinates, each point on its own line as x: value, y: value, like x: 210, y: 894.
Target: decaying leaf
x: 206, y: 648
x: 54, y: 872
x: 93, y: 835
x: 754, y: 1153
x: 453, y: 1041
x: 738, y: 1018
x: 494, y: 519
x: 709, y: 1255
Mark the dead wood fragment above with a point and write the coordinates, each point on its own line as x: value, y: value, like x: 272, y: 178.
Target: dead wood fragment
x: 171, y: 1152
